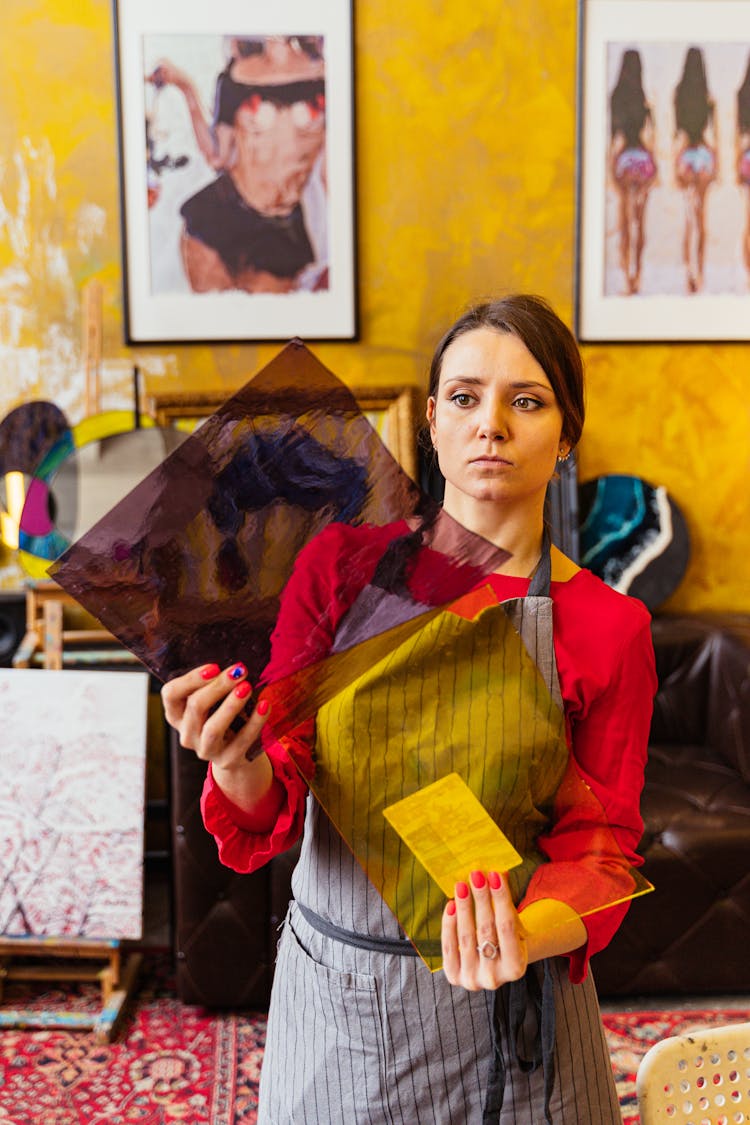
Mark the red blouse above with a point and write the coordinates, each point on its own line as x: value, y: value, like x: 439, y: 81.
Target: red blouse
x: 607, y: 677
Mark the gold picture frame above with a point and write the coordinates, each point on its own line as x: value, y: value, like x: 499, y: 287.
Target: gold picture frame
x: 391, y: 411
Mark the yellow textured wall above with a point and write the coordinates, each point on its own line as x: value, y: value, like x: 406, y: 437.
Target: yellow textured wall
x: 466, y: 186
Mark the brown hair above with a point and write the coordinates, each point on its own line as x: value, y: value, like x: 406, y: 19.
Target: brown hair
x: 549, y: 341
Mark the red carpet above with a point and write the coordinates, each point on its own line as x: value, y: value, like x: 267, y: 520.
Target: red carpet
x: 177, y: 1065
x: 170, y: 1064
x: 630, y: 1034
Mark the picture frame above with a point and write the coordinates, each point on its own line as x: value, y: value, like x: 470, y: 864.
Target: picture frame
x: 391, y: 411
x: 394, y: 413
x: 663, y: 207
x: 236, y: 139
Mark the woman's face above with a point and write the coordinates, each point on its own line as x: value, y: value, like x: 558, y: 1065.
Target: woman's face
x: 495, y: 422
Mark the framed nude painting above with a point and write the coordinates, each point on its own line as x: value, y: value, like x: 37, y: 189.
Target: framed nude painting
x: 237, y: 170
x: 664, y: 167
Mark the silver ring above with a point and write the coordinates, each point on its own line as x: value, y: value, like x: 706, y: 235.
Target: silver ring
x: 488, y: 949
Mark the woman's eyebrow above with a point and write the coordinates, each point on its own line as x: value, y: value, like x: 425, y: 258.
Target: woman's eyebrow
x: 463, y: 379
x: 516, y: 385
x: 527, y: 383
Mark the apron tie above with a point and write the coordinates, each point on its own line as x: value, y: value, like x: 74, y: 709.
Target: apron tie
x: 401, y: 946
x: 521, y: 998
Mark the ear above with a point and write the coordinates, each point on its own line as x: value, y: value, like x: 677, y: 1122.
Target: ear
x: 565, y: 445
x: 430, y: 416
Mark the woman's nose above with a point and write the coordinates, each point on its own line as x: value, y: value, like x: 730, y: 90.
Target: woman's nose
x: 494, y: 422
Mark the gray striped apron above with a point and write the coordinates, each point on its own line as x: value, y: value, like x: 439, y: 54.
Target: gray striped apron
x: 360, y: 1030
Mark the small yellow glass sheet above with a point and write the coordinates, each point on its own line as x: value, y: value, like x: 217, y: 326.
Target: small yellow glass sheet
x: 451, y: 833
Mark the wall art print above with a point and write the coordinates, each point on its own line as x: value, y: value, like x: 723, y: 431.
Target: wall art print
x: 664, y: 166
x: 236, y: 129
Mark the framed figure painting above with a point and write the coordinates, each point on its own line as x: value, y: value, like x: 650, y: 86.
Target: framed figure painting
x: 664, y: 170
x: 236, y: 157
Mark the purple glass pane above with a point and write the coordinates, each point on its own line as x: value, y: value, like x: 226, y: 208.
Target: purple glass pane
x: 188, y: 568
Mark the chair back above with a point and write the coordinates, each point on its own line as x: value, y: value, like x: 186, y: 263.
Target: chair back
x: 699, y: 1078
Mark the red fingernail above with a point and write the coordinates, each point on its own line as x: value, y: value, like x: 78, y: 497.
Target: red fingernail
x: 243, y: 690
x: 450, y: 908
x: 495, y: 881
x: 210, y: 671
x: 462, y: 891
x: 237, y: 672
x: 478, y: 879
x: 263, y: 707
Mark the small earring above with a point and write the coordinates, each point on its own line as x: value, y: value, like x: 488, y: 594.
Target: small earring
x: 562, y: 455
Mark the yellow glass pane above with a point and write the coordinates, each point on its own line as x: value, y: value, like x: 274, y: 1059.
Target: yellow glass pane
x: 451, y: 833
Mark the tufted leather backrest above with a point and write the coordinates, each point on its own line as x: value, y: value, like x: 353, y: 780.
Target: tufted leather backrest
x: 729, y: 715
x: 703, y: 666
x: 690, y: 936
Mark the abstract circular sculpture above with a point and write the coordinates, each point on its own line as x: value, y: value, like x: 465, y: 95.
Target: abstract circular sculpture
x: 56, y: 480
x: 633, y: 536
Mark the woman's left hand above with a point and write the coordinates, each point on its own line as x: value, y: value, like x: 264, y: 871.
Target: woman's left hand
x: 483, y: 938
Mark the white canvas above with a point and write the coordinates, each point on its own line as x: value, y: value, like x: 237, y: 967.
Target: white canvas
x: 72, y: 795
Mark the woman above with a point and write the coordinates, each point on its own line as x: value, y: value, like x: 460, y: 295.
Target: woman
x: 696, y: 164
x: 743, y: 155
x: 247, y: 229
x: 359, y: 1030
x: 631, y: 162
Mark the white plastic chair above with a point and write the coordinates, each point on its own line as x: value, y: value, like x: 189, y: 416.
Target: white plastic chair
x: 699, y: 1078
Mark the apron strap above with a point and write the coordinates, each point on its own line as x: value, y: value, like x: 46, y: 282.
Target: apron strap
x: 540, y: 581
x: 524, y: 996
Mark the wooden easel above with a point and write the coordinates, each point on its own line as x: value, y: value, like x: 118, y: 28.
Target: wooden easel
x: 75, y: 959
x: 91, y: 345
x: 45, y: 635
x: 45, y: 640
x: 34, y: 960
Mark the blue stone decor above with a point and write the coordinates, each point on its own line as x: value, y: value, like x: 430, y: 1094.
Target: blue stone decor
x: 633, y: 536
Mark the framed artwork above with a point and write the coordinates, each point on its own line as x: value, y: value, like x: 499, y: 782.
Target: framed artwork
x: 237, y: 170
x: 664, y: 170
x: 391, y: 411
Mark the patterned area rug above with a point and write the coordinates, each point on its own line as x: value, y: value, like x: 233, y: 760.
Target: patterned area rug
x: 173, y: 1064
x: 630, y: 1034
x: 170, y: 1064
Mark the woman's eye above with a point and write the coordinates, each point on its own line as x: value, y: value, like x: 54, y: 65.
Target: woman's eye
x: 461, y: 398
x: 525, y: 403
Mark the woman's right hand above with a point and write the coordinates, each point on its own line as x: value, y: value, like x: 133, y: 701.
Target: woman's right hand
x: 202, y: 706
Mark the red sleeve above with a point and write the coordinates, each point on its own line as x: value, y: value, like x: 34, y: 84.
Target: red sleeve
x: 240, y: 846
x: 608, y: 679
x: 328, y: 574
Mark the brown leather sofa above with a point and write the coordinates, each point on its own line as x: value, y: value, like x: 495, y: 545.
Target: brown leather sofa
x: 689, y: 936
